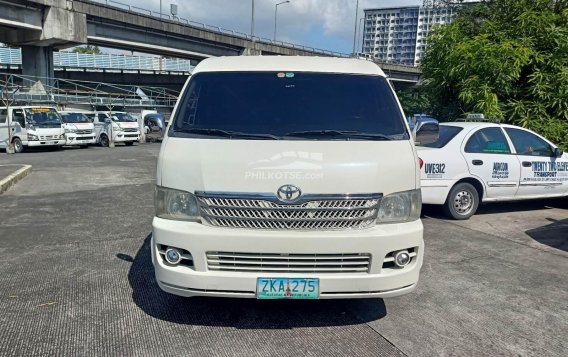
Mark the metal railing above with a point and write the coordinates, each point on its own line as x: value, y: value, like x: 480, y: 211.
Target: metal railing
x: 13, y: 56
x: 218, y: 29
x: 22, y: 89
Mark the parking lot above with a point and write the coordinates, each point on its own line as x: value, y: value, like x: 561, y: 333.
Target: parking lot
x: 76, y: 279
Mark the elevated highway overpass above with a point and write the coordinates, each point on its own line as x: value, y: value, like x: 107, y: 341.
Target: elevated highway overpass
x: 41, y: 26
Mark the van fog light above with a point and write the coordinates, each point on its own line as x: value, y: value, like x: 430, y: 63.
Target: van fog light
x: 173, y: 256
x: 402, y: 258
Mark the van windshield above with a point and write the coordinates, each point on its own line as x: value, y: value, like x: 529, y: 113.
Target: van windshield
x: 122, y: 117
x: 75, y: 118
x: 43, y: 116
x: 288, y: 105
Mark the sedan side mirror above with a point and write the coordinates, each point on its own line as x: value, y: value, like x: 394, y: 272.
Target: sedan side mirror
x: 558, y: 152
x: 426, y: 131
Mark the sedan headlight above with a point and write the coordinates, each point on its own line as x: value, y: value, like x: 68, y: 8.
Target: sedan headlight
x: 400, y: 207
x: 176, y: 205
x: 32, y: 137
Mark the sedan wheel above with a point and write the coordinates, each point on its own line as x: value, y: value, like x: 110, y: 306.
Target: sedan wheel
x: 462, y: 202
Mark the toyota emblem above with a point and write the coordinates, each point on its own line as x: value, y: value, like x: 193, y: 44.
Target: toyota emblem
x: 288, y: 193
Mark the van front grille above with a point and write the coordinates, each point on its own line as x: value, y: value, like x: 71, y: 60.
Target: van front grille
x: 314, y: 212
x: 288, y: 263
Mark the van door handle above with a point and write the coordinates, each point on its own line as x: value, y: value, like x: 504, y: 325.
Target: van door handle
x: 477, y: 162
x: 527, y: 164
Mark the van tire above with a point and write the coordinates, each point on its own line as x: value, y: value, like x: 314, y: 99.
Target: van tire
x: 462, y: 201
x: 104, y: 141
x: 18, y: 146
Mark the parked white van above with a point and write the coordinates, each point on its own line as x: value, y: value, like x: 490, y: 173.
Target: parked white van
x: 288, y: 178
x: 30, y: 126
x: 120, y: 126
x: 79, y: 130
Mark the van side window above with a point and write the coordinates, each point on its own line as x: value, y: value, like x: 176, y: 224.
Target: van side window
x: 3, y: 116
x: 18, y: 116
x: 488, y: 141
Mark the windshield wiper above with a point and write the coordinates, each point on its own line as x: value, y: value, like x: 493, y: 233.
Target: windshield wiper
x: 226, y: 133
x: 337, y: 133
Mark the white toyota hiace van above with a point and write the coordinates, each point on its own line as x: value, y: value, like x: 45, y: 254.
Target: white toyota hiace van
x: 288, y: 178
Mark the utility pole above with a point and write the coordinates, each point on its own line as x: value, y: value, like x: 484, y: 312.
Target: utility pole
x: 355, y: 30
x: 7, y: 102
x: 160, y: 9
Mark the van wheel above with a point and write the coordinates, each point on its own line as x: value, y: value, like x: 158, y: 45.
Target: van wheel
x: 462, y: 201
x: 104, y: 141
x: 129, y: 143
x: 18, y: 146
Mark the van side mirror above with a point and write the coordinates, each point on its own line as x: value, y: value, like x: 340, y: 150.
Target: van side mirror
x: 426, y: 131
x: 108, y: 121
x: 558, y: 152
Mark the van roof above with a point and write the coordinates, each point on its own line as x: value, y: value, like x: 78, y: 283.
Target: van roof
x: 289, y: 64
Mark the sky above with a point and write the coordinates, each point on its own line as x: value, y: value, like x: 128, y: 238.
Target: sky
x: 324, y: 24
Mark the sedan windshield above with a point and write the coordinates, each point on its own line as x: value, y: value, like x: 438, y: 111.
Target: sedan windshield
x: 75, y: 118
x: 43, y: 116
x: 122, y: 117
x: 289, y: 105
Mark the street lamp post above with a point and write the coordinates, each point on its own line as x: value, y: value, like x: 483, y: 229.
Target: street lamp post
x: 252, y: 23
x: 276, y: 15
x: 355, y: 30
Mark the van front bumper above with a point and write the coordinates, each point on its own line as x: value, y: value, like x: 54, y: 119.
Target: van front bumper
x: 80, y: 140
x: 35, y: 143
x: 199, y: 280
x: 125, y: 136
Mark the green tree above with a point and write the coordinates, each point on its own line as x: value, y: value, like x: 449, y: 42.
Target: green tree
x: 89, y: 49
x: 506, y: 59
x: 414, y: 101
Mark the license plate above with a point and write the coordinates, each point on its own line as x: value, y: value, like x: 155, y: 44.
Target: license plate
x: 287, y: 288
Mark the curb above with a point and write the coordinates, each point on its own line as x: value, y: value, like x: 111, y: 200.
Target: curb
x: 11, y: 179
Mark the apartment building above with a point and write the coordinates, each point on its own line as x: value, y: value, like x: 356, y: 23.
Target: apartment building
x: 399, y: 34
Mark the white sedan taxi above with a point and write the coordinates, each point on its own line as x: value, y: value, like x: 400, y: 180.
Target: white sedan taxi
x: 480, y: 161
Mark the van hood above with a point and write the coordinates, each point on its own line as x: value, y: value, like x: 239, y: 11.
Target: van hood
x: 38, y: 130
x: 128, y: 124
x: 262, y: 166
x: 80, y: 126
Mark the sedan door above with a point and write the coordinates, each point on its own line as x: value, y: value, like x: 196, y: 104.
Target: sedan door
x: 543, y: 174
x: 489, y: 158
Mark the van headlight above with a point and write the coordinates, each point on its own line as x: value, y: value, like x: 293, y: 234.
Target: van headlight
x: 70, y: 130
x: 400, y: 207
x: 32, y: 137
x: 176, y: 205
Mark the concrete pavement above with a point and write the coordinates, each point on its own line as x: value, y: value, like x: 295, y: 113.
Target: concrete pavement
x: 76, y: 278
x: 11, y: 174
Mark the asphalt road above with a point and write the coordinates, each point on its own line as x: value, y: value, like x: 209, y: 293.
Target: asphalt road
x: 76, y: 279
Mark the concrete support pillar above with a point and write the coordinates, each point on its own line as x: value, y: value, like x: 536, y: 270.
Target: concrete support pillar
x: 38, y: 62
x: 251, y: 51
